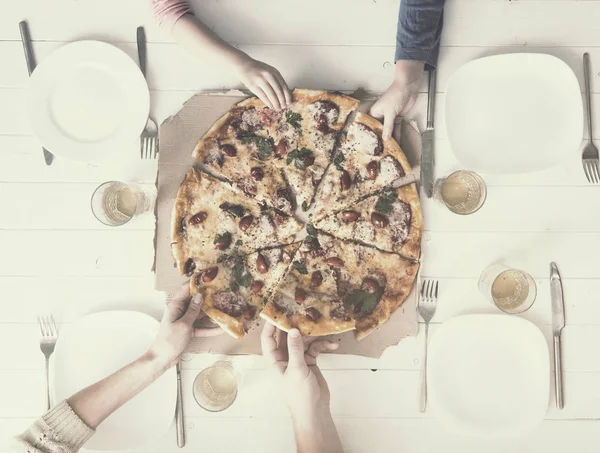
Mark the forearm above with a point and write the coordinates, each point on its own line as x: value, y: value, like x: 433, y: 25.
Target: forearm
x: 202, y: 42
x: 419, y: 31
x: 316, y: 433
x: 96, y: 402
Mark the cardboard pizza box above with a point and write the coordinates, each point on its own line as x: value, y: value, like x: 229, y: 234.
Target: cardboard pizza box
x: 178, y: 136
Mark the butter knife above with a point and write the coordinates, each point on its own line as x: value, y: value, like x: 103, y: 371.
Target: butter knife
x: 179, y: 410
x: 558, y: 323
x: 427, y: 149
x: 30, y: 59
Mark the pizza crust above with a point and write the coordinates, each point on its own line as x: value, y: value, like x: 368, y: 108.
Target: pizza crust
x: 306, y: 327
x: 304, y: 96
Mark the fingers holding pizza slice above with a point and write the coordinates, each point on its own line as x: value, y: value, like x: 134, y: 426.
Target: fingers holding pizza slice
x: 335, y: 285
x: 235, y: 289
x: 363, y: 165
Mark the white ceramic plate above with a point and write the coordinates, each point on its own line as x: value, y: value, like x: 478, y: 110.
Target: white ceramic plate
x: 488, y: 375
x: 94, y: 347
x: 87, y: 100
x: 513, y: 113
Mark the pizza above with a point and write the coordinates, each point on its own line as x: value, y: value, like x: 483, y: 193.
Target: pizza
x: 234, y: 290
x: 390, y: 221
x: 211, y: 221
x: 335, y: 285
x: 237, y: 219
x: 363, y: 165
x: 271, y: 154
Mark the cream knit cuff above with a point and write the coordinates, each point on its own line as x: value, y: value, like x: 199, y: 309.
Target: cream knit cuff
x: 66, y: 426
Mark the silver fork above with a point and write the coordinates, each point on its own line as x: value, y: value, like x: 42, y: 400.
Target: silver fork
x: 427, y: 306
x: 149, y: 137
x: 590, y: 152
x: 47, y: 343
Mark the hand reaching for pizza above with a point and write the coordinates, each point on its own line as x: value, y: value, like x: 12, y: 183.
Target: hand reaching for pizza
x: 400, y: 97
x: 295, y: 361
x: 266, y: 82
x: 177, y: 327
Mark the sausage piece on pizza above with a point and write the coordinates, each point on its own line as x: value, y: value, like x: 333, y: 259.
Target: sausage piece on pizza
x: 390, y: 221
x: 363, y: 165
x: 235, y: 289
x: 211, y: 221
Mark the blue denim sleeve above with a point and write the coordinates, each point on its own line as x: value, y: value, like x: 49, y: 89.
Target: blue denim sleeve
x: 419, y: 31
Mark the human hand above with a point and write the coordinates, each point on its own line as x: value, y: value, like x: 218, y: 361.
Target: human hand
x: 294, y: 361
x: 265, y: 81
x: 177, y: 327
x: 400, y: 97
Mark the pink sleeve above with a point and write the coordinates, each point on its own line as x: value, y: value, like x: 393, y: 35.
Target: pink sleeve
x: 167, y: 12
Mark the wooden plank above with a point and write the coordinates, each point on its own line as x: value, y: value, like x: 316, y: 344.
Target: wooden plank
x: 461, y: 296
x: 21, y: 160
x: 384, y: 435
x: 58, y: 206
x: 14, y: 120
x: 567, y: 173
x: 578, y: 350
x: 118, y: 253
x: 66, y: 206
x: 521, y: 209
x: 69, y: 298
x: 125, y: 253
x: 320, y: 66
x: 467, y: 254
x: 467, y: 22
x: 383, y: 393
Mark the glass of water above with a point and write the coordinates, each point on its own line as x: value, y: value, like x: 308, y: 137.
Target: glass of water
x: 511, y: 290
x: 216, y: 387
x: 463, y: 192
x: 115, y: 203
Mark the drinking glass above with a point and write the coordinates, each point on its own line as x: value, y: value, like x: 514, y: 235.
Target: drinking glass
x: 115, y: 203
x: 216, y: 387
x: 463, y: 192
x: 511, y: 290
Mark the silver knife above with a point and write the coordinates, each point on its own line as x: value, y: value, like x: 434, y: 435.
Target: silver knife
x: 30, y: 59
x: 179, y: 410
x: 427, y: 150
x: 558, y: 322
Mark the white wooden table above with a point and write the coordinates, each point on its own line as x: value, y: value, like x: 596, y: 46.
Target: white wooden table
x: 55, y: 257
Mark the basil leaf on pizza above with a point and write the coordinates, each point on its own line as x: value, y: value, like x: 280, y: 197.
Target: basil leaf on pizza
x: 338, y: 160
x: 385, y: 202
x: 294, y: 119
x: 364, y: 301
x: 300, y: 267
x: 302, y: 158
x: 236, y: 210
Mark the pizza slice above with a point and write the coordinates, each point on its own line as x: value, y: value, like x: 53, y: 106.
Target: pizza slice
x: 240, y: 148
x: 363, y: 165
x: 211, y: 221
x: 235, y: 289
x: 306, y: 135
x: 335, y: 285
x: 390, y: 221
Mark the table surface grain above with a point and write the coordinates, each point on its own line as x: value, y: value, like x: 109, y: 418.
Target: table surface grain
x: 56, y: 258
